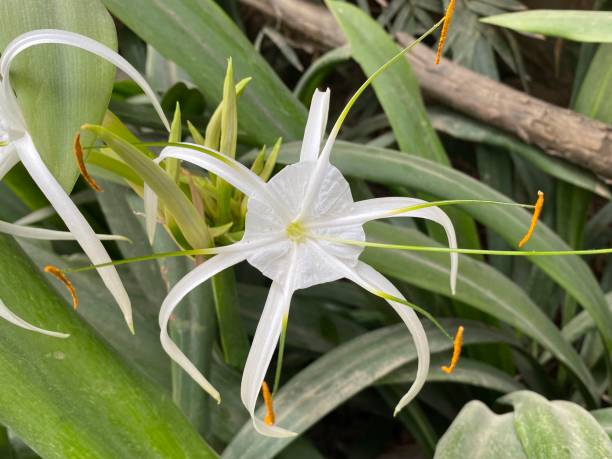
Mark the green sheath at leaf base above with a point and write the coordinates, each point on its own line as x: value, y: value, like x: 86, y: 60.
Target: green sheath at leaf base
x: 74, y: 397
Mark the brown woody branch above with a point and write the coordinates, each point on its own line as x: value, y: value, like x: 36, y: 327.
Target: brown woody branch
x: 558, y: 131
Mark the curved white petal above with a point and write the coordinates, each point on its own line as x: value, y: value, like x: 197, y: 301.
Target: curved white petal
x: 228, y: 256
x: 8, y: 160
x: 374, y: 209
x: 75, y: 222
x: 11, y: 317
x: 193, y: 279
x: 315, y: 126
x: 63, y: 37
x: 263, y: 346
x: 371, y: 280
x: 230, y: 170
x: 47, y: 234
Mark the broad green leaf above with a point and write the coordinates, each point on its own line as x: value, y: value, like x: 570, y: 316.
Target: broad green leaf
x: 478, y: 285
x: 585, y: 26
x: 536, y: 429
x: 559, y: 429
x: 478, y: 433
x: 59, y: 87
x: 170, y: 195
x: 604, y: 417
x: 397, y: 89
x: 337, y: 376
x: 199, y: 37
x: 85, y: 401
x: 464, y: 128
x: 596, y: 89
x: 393, y: 168
x: 467, y: 372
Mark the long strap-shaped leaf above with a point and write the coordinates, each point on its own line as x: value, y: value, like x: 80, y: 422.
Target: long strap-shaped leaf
x: 337, y: 376
x: 390, y: 167
x: 199, y: 37
x: 85, y: 401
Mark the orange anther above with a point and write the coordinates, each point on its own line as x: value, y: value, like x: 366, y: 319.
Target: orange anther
x: 534, y: 220
x: 448, y: 17
x: 267, y: 396
x: 60, y: 276
x: 456, y: 351
x: 78, y: 154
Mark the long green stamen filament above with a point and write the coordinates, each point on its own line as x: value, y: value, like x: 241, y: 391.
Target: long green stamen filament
x: 375, y: 75
x: 281, y: 353
x: 418, y: 309
x: 452, y: 202
x: 156, y: 256
x: 420, y: 248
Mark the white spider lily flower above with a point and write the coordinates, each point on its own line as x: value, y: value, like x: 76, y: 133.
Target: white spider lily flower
x: 17, y: 145
x: 289, y: 236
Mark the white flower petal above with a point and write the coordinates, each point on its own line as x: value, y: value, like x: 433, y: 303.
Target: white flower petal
x: 63, y: 37
x: 228, y: 256
x: 192, y: 280
x: 374, y: 209
x: 11, y: 317
x: 371, y: 280
x: 315, y: 126
x: 263, y: 346
x: 230, y: 170
x: 75, y: 222
x: 8, y: 160
x: 47, y: 234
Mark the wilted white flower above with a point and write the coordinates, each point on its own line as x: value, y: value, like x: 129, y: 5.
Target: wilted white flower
x: 293, y: 229
x: 16, y: 145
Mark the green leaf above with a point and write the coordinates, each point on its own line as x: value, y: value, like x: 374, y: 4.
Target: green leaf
x: 394, y: 168
x: 604, y: 417
x: 200, y: 38
x: 337, y: 376
x: 397, y: 89
x: 467, y: 372
x: 464, y: 128
x: 537, y: 429
x: 585, y: 26
x: 478, y: 285
x: 85, y: 400
x: 557, y: 429
x: 59, y: 87
x: 478, y: 433
x: 596, y: 89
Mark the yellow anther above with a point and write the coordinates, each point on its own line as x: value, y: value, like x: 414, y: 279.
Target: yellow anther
x: 269, y: 419
x: 448, y: 17
x: 60, y: 276
x: 78, y: 154
x: 456, y: 351
x: 534, y: 220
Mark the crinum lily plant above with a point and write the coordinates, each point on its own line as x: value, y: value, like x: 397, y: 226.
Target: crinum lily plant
x: 16, y: 145
x: 294, y: 231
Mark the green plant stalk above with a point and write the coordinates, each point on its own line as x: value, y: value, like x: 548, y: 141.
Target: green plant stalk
x: 234, y: 341
x: 85, y: 401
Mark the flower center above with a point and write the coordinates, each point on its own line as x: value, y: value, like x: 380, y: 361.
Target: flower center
x: 295, y: 231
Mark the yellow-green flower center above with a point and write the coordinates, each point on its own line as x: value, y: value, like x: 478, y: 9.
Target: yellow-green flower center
x: 296, y: 232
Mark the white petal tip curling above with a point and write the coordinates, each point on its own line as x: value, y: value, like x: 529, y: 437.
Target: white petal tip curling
x: 13, y: 318
x: 272, y: 430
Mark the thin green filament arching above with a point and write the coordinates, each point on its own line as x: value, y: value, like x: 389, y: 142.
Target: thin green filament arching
x: 422, y: 248
x: 281, y: 354
x: 376, y: 74
x: 451, y: 202
x: 155, y: 256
